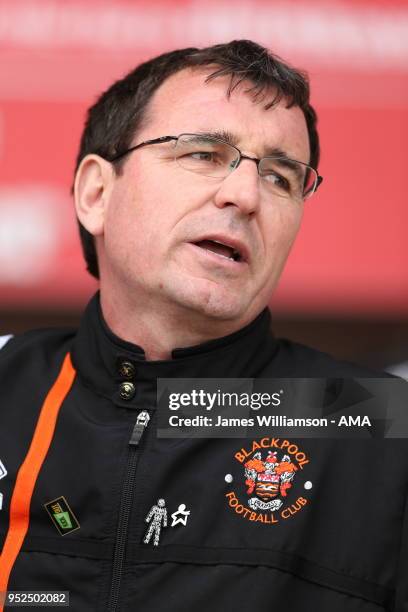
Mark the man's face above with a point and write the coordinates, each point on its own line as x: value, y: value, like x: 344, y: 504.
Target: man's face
x: 157, y: 210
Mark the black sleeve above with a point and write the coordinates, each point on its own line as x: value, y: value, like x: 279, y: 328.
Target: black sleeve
x: 401, y: 586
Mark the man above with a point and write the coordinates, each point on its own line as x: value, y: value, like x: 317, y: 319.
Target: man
x: 190, y: 186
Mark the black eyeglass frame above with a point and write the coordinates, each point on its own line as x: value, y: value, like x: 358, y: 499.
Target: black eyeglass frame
x: 241, y: 156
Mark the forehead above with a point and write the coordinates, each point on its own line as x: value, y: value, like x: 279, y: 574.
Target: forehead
x: 185, y: 103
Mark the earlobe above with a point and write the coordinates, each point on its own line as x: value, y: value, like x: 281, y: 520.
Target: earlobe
x: 92, y: 187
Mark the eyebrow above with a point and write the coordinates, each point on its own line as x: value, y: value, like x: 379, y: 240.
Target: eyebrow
x: 225, y: 135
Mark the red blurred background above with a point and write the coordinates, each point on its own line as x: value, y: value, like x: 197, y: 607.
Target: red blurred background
x: 345, y: 287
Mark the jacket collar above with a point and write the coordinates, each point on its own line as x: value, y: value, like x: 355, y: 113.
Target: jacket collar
x: 106, y: 363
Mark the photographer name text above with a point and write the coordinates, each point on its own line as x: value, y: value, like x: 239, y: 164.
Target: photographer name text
x: 268, y: 421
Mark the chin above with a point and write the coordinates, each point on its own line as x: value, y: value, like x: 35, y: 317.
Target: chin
x: 222, y: 312
x: 221, y: 305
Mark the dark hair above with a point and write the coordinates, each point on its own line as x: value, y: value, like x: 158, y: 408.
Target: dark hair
x: 120, y: 111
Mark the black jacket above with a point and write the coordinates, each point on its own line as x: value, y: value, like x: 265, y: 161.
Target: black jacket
x: 338, y: 543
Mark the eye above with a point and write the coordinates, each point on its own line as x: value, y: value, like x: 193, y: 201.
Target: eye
x: 205, y: 156
x: 278, y: 180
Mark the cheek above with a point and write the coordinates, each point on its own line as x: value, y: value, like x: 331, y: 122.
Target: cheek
x: 128, y: 229
x: 139, y: 225
x: 281, y: 231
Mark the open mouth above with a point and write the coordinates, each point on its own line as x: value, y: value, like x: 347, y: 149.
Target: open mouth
x: 220, y: 249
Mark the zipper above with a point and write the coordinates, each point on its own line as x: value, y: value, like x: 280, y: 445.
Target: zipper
x: 142, y: 421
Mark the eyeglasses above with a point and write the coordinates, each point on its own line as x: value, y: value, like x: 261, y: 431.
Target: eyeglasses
x: 214, y: 157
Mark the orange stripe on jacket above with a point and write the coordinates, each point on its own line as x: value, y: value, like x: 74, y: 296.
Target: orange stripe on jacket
x: 29, y: 470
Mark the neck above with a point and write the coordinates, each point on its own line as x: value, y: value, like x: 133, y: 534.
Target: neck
x: 159, y: 328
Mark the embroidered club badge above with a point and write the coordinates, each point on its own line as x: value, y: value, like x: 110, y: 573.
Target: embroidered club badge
x: 269, y: 469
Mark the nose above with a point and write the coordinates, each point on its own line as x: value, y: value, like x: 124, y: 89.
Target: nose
x: 241, y: 188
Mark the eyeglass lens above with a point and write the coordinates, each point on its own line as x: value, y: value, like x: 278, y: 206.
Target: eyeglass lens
x: 211, y: 157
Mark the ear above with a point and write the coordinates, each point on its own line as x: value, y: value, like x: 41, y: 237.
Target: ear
x: 93, y: 184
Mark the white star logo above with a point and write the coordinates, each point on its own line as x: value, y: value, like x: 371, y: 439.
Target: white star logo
x: 180, y: 516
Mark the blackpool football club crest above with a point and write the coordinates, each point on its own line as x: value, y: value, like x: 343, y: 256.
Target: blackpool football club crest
x: 269, y: 468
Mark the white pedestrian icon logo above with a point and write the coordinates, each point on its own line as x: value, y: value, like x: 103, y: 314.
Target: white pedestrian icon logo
x: 180, y: 516
x: 157, y: 517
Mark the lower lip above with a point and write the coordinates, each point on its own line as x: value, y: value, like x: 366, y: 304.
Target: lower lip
x: 219, y: 260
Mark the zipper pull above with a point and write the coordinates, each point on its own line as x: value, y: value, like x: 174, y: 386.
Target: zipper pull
x: 142, y: 421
